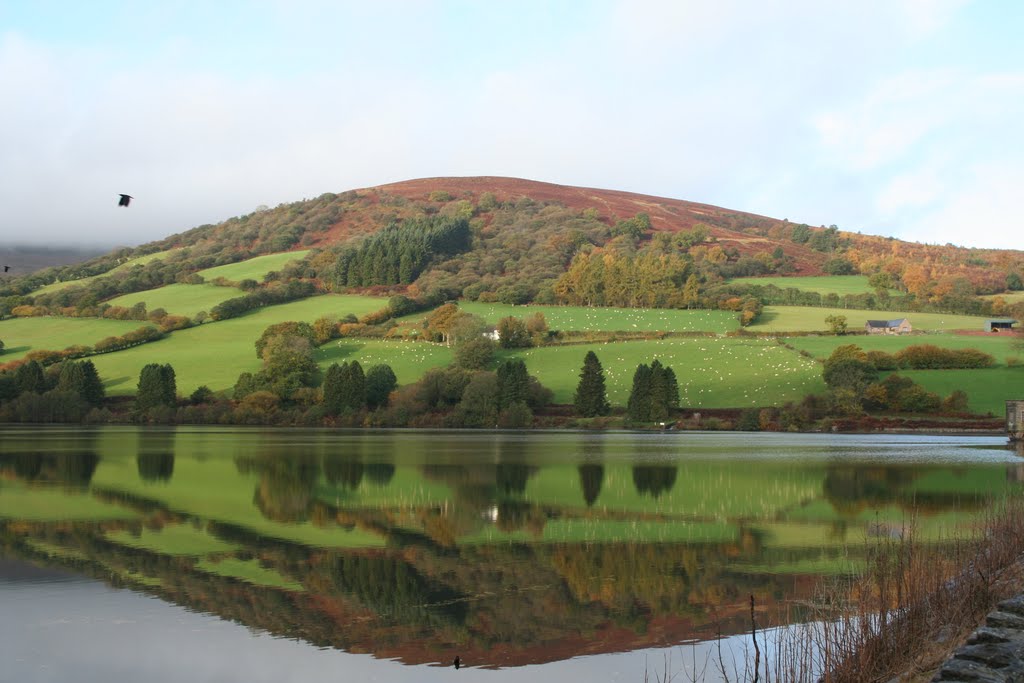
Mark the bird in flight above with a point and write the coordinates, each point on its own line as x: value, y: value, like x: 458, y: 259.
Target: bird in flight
x: 125, y: 200
x: 6, y: 268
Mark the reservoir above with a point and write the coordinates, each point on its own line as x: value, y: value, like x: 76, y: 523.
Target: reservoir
x: 226, y: 554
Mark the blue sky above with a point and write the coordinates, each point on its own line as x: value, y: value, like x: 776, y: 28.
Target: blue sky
x: 899, y: 118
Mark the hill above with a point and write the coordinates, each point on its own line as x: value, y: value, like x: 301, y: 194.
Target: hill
x: 626, y: 275
x: 528, y: 241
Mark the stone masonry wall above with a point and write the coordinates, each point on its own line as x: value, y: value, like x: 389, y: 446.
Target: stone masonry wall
x: 994, y: 653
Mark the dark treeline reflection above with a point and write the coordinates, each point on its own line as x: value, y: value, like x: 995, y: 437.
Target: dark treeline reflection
x: 155, y: 459
x: 72, y: 468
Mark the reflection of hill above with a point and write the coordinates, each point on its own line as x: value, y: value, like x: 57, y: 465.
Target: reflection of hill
x: 503, y: 559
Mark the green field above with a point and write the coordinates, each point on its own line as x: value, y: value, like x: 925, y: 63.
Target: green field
x: 179, y: 299
x: 609, y: 319
x: 987, y: 390
x: 822, y: 284
x: 254, y: 268
x: 1000, y: 346
x: 808, y: 319
x: 215, y: 353
x: 139, y: 261
x: 712, y: 372
x: 21, y: 335
x: 408, y: 359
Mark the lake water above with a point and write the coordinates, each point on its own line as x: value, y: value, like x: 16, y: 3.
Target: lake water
x: 206, y: 554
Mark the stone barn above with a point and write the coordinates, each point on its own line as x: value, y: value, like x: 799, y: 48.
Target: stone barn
x: 901, y: 326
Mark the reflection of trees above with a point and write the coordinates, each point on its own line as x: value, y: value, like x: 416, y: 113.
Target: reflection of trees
x: 343, y: 470
x: 654, y: 479
x: 285, y: 490
x: 155, y: 466
x: 380, y: 473
x: 155, y: 460
x: 852, y: 490
x: 392, y: 588
x: 72, y: 468
x: 591, y: 478
x: 511, y: 477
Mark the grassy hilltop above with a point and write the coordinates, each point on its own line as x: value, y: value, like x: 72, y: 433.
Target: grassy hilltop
x: 603, y: 267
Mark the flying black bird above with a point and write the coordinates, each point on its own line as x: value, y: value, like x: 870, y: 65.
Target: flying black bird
x: 125, y: 199
x: 6, y: 268
x: 457, y: 663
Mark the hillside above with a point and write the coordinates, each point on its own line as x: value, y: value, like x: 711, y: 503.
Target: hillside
x: 532, y: 241
x: 722, y: 296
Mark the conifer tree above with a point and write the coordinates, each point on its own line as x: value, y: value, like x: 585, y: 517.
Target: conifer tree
x: 638, y: 406
x: 30, y: 378
x: 353, y: 387
x: 157, y: 387
x: 332, y: 388
x: 513, y: 383
x: 591, y: 396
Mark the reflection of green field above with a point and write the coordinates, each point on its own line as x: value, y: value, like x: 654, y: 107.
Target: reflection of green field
x: 21, y: 335
x: 173, y: 539
x: 139, y: 261
x: 249, y: 571
x: 52, y: 504
x: 179, y: 299
x: 806, y: 318
x: 215, y: 354
x: 254, y: 268
x: 611, y: 531
x: 702, y: 489
x: 712, y: 372
x: 822, y: 284
x: 612, y: 319
x: 1000, y: 346
x: 213, y: 489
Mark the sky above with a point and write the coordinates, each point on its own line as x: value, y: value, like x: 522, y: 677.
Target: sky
x: 901, y: 118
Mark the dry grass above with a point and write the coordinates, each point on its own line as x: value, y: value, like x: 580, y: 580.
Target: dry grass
x: 899, y: 620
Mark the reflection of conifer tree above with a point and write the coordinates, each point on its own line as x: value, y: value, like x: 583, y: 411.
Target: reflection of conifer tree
x: 343, y: 470
x: 654, y: 479
x: 77, y: 468
x: 27, y: 466
x: 591, y: 478
x: 155, y: 460
x: 155, y: 466
x: 380, y: 473
x: 511, y: 478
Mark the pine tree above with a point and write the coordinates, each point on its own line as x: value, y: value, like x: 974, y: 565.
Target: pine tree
x: 353, y: 391
x: 639, y: 405
x: 30, y: 378
x: 513, y: 383
x: 92, y: 386
x: 591, y: 396
x: 332, y: 388
x: 157, y: 387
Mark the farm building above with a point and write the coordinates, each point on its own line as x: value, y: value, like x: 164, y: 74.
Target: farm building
x: 1015, y: 419
x: 999, y: 324
x: 901, y: 326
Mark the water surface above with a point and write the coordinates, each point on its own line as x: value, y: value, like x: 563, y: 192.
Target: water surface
x: 273, y: 555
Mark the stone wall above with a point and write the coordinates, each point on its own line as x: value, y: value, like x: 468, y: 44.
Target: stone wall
x: 995, y: 652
